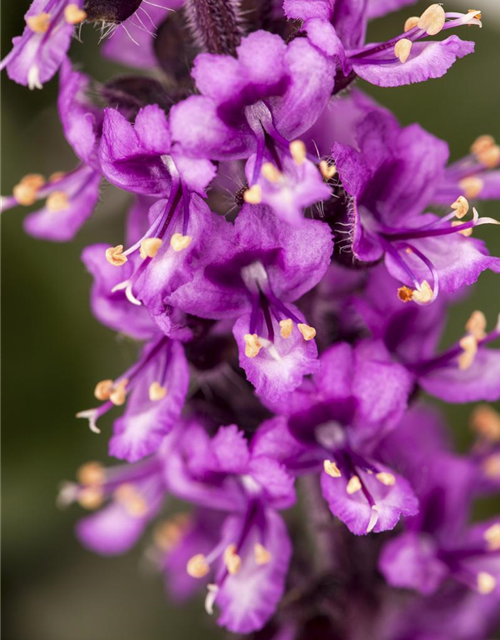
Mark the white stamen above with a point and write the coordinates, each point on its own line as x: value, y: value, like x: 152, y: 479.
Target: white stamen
x: 373, y: 519
x: 213, y: 590
x: 68, y: 493
x: 90, y: 415
x: 34, y: 78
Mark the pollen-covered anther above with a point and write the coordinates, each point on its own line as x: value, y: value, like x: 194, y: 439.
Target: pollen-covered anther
x: 331, y: 469
x: 308, y: 333
x: 56, y: 176
x: 402, y: 49
x: 119, y: 393
x: 271, y: 173
x: 486, y: 583
x: 405, y: 294
x: 39, y: 23
x: 476, y: 325
x: 231, y: 559
x: 74, y: 15
x: 253, y: 195
x: 463, y: 232
x: 298, y: 151
x: 466, y: 358
x: 491, y: 466
x: 411, y: 23
x: 386, y: 478
x: 328, y: 171
x: 432, y: 19
x: 178, y: 242
x: 471, y: 187
x: 477, y: 14
x: 286, y: 327
x: 26, y: 192
x: 197, y: 566
x: 91, y: 497
x: 353, y: 485
x: 57, y: 201
x: 423, y: 294
x: 132, y: 500
x: 168, y: 534
x: 461, y: 207
x: 482, y: 143
x: 492, y: 537
x: 157, y: 392
x: 91, y: 474
x: 485, y: 421
x: 114, y: 255
x: 103, y: 389
x: 252, y: 345
x: 150, y: 247
x: 490, y: 157
x: 261, y: 554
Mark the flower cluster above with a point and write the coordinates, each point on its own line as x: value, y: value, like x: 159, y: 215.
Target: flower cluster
x: 286, y: 269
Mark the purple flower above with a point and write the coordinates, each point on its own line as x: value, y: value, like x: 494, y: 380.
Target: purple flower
x: 334, y: 423
x: 250, y: 560
x: 41, y: 49
x: 338, y: 30
x: 253, y: 271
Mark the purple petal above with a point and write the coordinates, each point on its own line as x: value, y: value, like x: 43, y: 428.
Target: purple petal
x: 426, y: 60
x: 277, y: 484
x: 230, y: 449
x: 308, y: 9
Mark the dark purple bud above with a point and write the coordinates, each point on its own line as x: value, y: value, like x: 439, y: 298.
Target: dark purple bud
x: 114, y: 11
x: 214, y: 24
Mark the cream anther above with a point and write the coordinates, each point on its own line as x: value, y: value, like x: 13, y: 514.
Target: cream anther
x: 469, y: 346
x: 168, y: 534
x: 91, y: 498
x: 114, y: 255
x: 157, y: 392
x: 491, y: 466
x: 386, y: 478
x: 286, y: 327
x: 91, y: 473
x: 486, y: 583
x: 476, y: 325
x: 463, y: 232
x: 39, y: 23
x: 485, y: 421
x: 308, y: 333
x: 26, y: 192
x: 432, y: 20
x: 57, y: 201
x: 490, y: 157
x: 132, y: 500
x: 492, y: 537
x: 411, y: 23
x: 423, y: 294
x: 197, y: 566
x: 331, y: 469
x: 298, y: 151
x: 55, y: 177
x: 150, y: 247
x: 327, y: 170
x: 253, y: 195
x: 461, y: 207
x: 482, y: 143
x: 103, y: 389
x: 74, y: 15
x: 353, y: 485
x: 178, y: 242
x: 270, y: 172
x: 471, y: 187
x: 402, y: 49
x: 252, y: 345
x: 261, y: 554
x: 119, y: 393
x: 232, y: 560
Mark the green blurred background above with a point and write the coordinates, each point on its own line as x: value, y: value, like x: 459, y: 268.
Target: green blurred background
x: 54, y: 352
